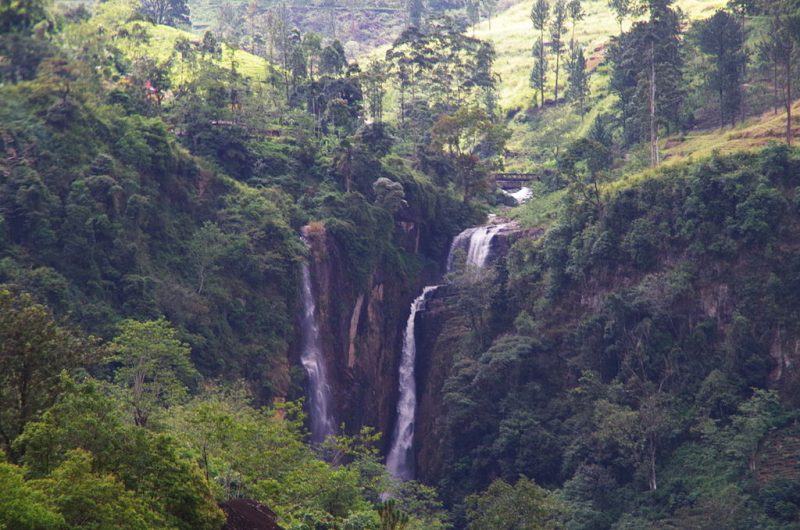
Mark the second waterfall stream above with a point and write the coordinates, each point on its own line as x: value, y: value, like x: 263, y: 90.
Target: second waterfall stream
x: 476, y: 244
x: 319, y: 390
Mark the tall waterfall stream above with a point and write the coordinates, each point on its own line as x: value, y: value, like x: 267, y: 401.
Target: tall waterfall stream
x: 319, y: 389
x: 476, y: 243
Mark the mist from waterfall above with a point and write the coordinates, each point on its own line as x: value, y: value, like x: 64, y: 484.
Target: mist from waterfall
x: 319, y: 390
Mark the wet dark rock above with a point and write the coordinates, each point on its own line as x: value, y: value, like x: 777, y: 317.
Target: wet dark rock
x: 247, y: 514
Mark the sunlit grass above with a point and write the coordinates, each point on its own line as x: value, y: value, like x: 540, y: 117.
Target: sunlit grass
x: 513, y: 36
x: 160, y: 45
x: 540, y: 210
x: 753, y: 133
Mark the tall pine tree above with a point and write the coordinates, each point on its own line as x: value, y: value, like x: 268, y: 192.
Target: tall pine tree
x: 723, y: 38
x: 540, y: 14
x: 647, y: 76
x: 558, y: 28
x: 578, y: 80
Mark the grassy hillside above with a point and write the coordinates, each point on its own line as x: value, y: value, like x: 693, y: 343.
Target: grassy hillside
x: 753, y: 133
x: 512, y: 34
x: 119, y: 18
x: 536, y: 136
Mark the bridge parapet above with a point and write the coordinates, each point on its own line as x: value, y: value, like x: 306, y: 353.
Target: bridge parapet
x: 508, y: 181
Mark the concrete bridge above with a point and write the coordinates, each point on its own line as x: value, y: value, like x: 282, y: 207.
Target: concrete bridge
x: 336, y: 7
x: 514, y: 181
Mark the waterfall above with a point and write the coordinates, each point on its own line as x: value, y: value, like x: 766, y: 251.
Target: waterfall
x: 319, y: 390
x: 480, y: 242
x: 523, y: 195
x: 400, y: 461
x: 461, y: 241
x: 477, y: 243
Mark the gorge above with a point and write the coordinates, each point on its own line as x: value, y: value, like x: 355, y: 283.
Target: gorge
x: 267, y: 266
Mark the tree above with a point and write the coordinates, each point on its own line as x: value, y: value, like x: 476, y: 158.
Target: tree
x: 784, y: 49
x: 167, y: 12
x: 558, y: 28
x: 92, y: 500
x: 34, y: 351
x: 21, y: 15
x: 154, y: 366
x: 582, y: 165
x: 332, y: 59
x: 416, y: 8
x: 312, y: 48
x: 540, y: 14
x: 153, y: 78
x: 374, y: 80
x: 576, y: 14
x: 389, y: 194
x: 151, y: 465
x: 749, y: 426
x: 623, y: 9
x: 392, y: 518
x: 637, y: 434
x: 210, y: 46
x: 648, y: 76
x: 260, y: 454
x: 578, y: 80
x: 472, y: 140
x: 503, y: 506
x: 448, y: 67
x: 21, y: 506
x: 722, y: 37
x: 208, y: 246
x: 539, y: 71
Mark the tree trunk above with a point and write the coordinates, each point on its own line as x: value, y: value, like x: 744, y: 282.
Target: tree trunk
x: 775, y: 96
x: 789, y: 127
x: 558, y: 60
x: 653, y: 122
x: 542, y: 70
x: 572, y: 39
x: 652, y: 479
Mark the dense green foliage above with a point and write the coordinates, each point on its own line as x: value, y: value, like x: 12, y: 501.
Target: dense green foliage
x: 649, y: 327
x: 632, y: 367
x: 106, y: 216
x: 156, y: 201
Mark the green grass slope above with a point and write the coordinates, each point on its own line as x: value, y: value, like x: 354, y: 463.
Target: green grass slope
x: 513, y: 35
x: 536, y: 137
x: 159, y: 44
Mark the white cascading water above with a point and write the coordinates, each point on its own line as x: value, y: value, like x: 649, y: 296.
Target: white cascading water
x: 319, y: 390
x: 400, y: 460
x: 476, y: 243
x: 480, y: 242
x: 522, y: 195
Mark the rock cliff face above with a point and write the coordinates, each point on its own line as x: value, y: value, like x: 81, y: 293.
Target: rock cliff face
x: 361, y: 331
